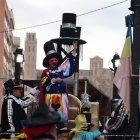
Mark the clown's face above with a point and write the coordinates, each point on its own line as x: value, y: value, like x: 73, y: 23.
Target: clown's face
x: 53, y: 62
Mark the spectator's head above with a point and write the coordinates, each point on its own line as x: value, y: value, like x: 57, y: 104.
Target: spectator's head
x: 116, y: 103
x: 12, y: 87
x: 17, y: 89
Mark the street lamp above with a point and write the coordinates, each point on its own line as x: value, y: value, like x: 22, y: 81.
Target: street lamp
x: 19, y: 58
x: 115, y: 63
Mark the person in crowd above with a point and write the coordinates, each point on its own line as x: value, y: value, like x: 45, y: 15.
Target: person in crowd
x: 42, y: 124
x: 53, y: 88
x: 13, y: 114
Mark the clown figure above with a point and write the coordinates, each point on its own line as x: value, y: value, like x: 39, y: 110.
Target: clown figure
x: 53, y: 89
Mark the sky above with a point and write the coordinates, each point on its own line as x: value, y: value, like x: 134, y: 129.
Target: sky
x: 103, y: 30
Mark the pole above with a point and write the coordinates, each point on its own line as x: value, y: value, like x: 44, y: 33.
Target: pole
x: 17, y: 71
x: 76, y: 74
x: 115, y: 89
x: 134, y: 95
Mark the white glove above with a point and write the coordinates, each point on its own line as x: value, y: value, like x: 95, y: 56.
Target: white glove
x: 34, y: 91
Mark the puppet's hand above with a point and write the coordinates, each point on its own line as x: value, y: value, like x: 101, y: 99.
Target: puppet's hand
x: 56, y: 80
x: 59, y: 80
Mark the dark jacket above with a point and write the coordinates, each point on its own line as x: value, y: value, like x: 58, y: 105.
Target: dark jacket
x: 13, y: 113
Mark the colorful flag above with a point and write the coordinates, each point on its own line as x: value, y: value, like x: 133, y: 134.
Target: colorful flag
x: 123, y: 73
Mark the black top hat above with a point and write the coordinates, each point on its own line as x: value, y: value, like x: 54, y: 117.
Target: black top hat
x: 68, y: 30
x: 50, y: 52
x: 10, y: 84
x: 42, y: 117
x: 16, y: 85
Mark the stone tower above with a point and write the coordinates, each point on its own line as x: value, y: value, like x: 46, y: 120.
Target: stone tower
x: 30, y: 57
x: 96, y: 62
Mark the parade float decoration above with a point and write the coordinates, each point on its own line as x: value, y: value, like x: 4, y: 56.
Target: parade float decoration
x: 118, y: 115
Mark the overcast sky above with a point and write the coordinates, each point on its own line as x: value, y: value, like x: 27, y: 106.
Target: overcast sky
x: 103, y: 30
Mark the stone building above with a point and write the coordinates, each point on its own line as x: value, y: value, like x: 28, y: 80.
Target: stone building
x: 100, y: 86
x: 7, y: 24
x: 30, y: 55
x: 96, y: 62
x: 99, y: 77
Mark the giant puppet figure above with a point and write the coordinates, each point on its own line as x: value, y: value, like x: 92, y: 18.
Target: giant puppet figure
x: 53, y: 89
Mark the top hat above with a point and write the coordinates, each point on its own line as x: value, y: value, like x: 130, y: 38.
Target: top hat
x: 16, y: 85
x: 68, y: 31
x: 10, y: 84
x: 50, y: 52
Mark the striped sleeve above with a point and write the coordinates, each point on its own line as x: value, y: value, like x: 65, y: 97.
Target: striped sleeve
x: 10, y: 113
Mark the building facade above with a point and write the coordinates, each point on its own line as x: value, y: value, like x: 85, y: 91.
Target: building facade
x: 7, y: 24
x: 101, y: 78
x: 96, y: 62
x: 30, y: 55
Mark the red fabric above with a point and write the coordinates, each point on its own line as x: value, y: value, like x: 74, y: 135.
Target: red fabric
x: 42, y: 92
x: 34, y: 132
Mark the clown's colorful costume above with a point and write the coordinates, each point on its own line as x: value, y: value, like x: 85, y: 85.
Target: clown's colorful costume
x: 56, y: 93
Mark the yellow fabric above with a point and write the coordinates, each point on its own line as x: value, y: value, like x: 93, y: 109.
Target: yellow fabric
x: 60, y: 102
x: 49, y: 98
x: 23, y: 135
x: 43, y: 80
x: 127, y: 48
x: 80, y: 121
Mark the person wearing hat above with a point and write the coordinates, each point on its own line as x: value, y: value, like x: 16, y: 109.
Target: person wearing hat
x: 53, y: 89
x: 13, y: 113
x: 42, y: 124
